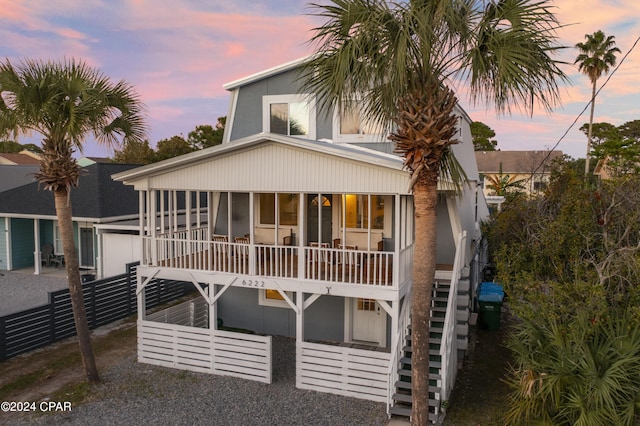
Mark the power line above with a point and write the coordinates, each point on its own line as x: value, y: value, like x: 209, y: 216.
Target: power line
x: 544, y: 160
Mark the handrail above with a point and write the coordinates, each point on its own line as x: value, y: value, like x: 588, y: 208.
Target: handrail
x: 448, y: 346
x: 403, y: 322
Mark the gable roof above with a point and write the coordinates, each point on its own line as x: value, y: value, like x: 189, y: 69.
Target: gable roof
x: 524, y: 162
x: 275, y: 163
x: 96, y: 197
x: 12, y: 176
x: 266, y: 73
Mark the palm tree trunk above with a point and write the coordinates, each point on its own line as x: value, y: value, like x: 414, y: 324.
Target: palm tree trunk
x: 593, y: 106
x: 424, y: 265
x: 65, y: 223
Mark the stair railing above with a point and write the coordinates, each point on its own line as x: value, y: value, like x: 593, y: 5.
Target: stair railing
x: 448, y: 345
x: 396, y: 348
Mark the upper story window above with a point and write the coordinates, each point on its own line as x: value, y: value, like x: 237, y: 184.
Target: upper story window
x: 352, y: 125
x: 291, y: 115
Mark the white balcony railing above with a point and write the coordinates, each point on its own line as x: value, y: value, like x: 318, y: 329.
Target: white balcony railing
x: 191, y: 250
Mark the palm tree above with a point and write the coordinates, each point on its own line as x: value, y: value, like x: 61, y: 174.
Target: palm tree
x: 596, y: 56
x: 401, y: 60
x: 64, y: 103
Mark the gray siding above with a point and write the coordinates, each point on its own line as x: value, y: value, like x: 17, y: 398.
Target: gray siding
x: 248, y: 118
x: 248, y: 115
x: 324, y: 319
x: 445, y: 244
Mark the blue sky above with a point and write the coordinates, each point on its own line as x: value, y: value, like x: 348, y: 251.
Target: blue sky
x: 179, y: 53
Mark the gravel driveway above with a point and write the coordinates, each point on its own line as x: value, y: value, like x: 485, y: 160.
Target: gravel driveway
x: 134, y: 393
x: 23, y: 290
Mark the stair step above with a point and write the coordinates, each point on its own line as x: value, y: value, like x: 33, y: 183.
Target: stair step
x: 402, y: 397
x: 407, y: 386
x: 400, y: 411
x: 403, y: 372
x: 406, y: 412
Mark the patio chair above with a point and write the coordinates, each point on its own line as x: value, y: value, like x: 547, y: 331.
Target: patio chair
x: 46, y: 255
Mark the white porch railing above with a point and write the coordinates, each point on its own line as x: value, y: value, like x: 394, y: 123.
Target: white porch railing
x: 192, y: 313
x: 358, y: 373
x: 448, y: 344
x: 348, y: 266
x: 188, y: 250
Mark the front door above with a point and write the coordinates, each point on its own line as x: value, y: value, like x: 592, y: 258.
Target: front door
x: 368, y: 322
x: 86, y: 247
x: 313, y: 224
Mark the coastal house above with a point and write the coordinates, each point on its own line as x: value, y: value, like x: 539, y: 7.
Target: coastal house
x: 301, y: 224
x: 30, y: 236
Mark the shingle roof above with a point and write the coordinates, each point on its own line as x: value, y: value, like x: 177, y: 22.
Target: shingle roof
x: 97, y: 196
x: 21, y: 159
x: 515, y: 161
x: 12, y: 176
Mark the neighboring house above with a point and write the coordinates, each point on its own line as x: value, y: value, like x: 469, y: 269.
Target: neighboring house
x: 28, y: 221
x: 611, y: 167
x: 531, y: 168
x: 22, y: 158
x: 301, y: 224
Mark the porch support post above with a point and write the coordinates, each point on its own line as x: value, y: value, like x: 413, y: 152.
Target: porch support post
x: 299, y: 334
x: 252, y: 250
x: 400, y: 226
x: 213, y: 307
x: 395, y: 320
x: 153, y: 217
x: 36, y: 244
x: 300, y: 316
x: 302, y: 235
x: 141, y: 297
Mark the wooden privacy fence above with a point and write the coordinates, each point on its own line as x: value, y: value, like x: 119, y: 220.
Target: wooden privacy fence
x: 106, y: 300
x: 357, y: 373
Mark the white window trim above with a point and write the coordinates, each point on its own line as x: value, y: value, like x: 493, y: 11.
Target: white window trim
x: 263, y: 301
x: 354, y: 137
x: 57, y: 237
x: 280, y: 99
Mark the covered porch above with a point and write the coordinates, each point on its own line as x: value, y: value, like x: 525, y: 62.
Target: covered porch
x: 329, y: 237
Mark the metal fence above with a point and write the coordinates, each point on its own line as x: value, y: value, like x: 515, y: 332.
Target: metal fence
x: 106, y: 300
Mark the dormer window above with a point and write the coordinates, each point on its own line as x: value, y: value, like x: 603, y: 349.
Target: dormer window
x: 352, y: 125
x: 291, y: 115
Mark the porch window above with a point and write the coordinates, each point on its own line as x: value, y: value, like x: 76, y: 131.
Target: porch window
x: 357, y: 211
x: 58, y: 249
x: 287, y: 209
x: 273, y: 298
x: 291, y: 115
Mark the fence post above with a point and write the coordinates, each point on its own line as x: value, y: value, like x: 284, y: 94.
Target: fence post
x: 3, y: 338
x: 129, y: 280
x: 94, y: 316
x: 52, y: 318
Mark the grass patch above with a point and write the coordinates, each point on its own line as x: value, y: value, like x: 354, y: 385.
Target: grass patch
x: 29, y: 372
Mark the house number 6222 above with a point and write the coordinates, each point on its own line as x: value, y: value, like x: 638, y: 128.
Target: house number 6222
x: 253, y: 283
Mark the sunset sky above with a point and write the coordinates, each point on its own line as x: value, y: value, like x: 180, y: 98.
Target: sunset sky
x: 179, y: 53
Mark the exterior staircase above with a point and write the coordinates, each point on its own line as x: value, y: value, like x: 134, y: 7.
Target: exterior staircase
x: 402, y: 399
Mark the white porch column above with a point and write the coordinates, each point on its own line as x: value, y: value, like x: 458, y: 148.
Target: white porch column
x: 99, y: 266
x: 252, y: 241
x: 299, y: 334
x: 36, y: 243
